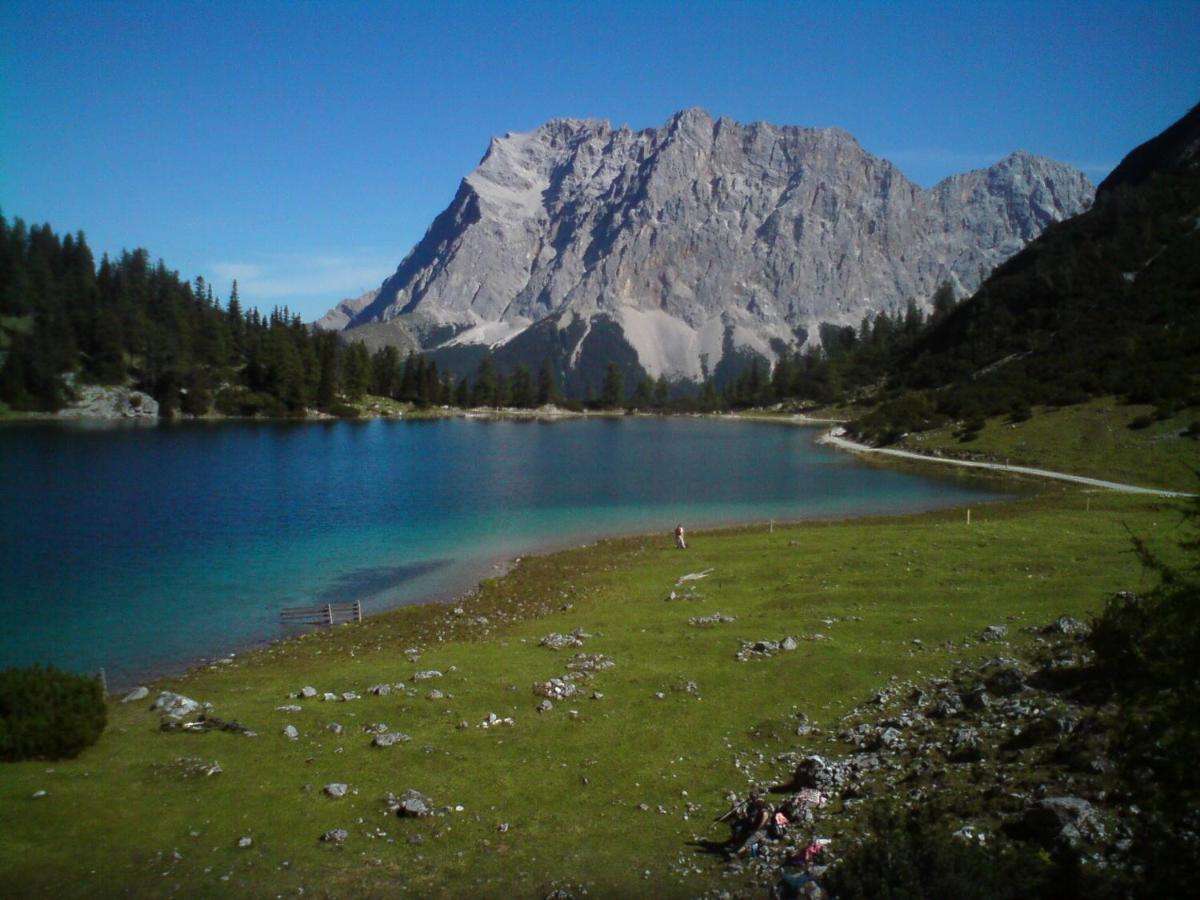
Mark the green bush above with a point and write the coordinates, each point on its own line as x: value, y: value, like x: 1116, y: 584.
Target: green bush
x: 914, y: 854
x: 1147, y: 661
x: 48, y: 714
x: 344, y: 411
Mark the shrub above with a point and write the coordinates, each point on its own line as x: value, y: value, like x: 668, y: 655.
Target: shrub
x: 914, y: 854
x: 344, y: 411
x: 1019, y: 412
x: 969, y: 430
x: 1147, y: 658
x: 48, y: 714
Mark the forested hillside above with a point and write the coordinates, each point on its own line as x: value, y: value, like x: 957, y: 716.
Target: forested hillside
x: 1106, y: 303
x: 131, y: 322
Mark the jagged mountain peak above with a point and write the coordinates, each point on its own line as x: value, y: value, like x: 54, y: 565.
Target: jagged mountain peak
x: 686, y: 246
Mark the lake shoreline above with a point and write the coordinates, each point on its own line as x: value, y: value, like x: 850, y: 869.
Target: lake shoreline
x: 297, y: 517
x: 471, y: 582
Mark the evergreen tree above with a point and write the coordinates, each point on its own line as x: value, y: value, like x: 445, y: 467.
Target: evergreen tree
x: 385, y: 372
x: 547, y: 392
x: 484, y: 391
x: 662, y: 392
x: 613, y: 394
x: 328, y: 358
x: 522, y: 390
x: 643, y: 394
x: 357, y: 370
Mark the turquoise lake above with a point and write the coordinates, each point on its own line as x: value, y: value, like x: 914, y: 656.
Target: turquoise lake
x: 143, y: 549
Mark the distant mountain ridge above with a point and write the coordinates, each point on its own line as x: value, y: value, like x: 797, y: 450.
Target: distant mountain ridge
x: 1106, y: 303
x: 677, y: 249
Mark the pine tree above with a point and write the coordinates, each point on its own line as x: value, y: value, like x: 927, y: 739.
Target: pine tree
x: 547, y: 392
x: 662, y: 392
x: 523, y: 394
x: 613, y: 394
x: 643, y: 395
x: 357, y: 371
x: 484, y: 390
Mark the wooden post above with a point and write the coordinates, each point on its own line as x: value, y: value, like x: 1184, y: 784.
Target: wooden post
x: 772, y: 526
x: 103, y: 679
x: 329, y: 612
x: 358, y: 609
x: 968, y: 515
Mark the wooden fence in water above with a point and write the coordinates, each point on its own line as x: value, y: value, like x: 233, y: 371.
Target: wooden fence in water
x: 325, y: 614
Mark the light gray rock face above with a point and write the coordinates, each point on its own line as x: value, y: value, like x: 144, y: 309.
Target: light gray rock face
x: 339, y: 317
x: 703, y: 236
x: 175, y: 705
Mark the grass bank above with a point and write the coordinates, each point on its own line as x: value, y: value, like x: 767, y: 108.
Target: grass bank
x: 1093, y: 439
x: 603, y: 793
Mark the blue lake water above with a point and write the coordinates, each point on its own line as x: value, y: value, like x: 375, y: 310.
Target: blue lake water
x: 144, y: 548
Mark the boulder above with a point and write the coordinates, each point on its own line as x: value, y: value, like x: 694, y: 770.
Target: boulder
x: 556, y: 641
x: 556, y: 689
x: 1069, y: 820
x: 138, y: 693
x: 818, y: 772
x: 308, y: 692
x: 889, y: 739
x: 414, y: 805
x: 336, y: 790
x: 965, y: 746
x: 994, y: 633
x: 290, y: 732
x: 426, y: 675
x: 336, y: 836
x: 175, y: 705
x: 1068, y: 626
x: 1006, y: 680
x: 389, y: 739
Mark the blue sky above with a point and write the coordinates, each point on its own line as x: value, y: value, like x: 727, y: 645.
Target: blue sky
x: 304, y: 147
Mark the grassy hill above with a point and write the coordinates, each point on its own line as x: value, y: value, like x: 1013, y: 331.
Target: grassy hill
x: 604, y: 793
x: 1102, y: 438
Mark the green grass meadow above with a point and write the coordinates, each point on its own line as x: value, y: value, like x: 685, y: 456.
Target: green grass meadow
x: 1092, y: 439
x: 568, y: 783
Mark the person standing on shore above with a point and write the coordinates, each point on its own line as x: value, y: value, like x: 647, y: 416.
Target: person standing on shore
x: 679, y: 541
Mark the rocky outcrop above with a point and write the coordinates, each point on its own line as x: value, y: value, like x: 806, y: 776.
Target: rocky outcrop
x: 94, y: 401
x: 676, y: 248
x: 342, y: 314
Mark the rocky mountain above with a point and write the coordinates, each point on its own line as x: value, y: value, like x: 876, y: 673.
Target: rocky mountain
x: 1102, y: 304
x: 342, y: 314
x: 678, y: 250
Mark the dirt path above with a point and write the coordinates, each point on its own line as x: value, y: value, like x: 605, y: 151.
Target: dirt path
x: 855, y: 447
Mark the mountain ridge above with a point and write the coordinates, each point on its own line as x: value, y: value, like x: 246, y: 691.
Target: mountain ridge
x: 699, y: 240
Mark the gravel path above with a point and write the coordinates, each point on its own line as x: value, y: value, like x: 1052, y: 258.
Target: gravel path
x: 855, y: 447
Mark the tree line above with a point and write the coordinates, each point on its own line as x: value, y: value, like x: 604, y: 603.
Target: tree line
x: 128, y: 321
